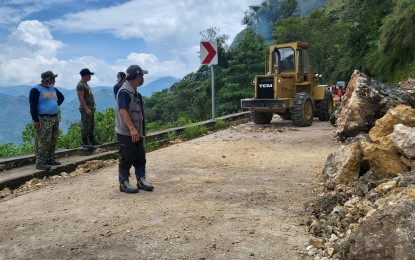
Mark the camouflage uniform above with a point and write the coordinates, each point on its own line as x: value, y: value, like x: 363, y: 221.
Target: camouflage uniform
x: 44, y: 101
x: 48, y: 133
x: 87, y: 123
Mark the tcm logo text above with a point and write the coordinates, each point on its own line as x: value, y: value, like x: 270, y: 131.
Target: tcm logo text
x: 265, y: 85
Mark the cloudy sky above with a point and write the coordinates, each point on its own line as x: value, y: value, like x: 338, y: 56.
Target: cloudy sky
x: 107, y: 36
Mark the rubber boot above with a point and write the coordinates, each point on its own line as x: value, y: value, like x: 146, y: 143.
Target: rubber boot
x: 125, y: 185
x: 123, y: 175
x: 140, y: 173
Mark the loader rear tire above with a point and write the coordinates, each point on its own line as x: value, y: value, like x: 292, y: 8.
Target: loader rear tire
x: 302, y: 112
x: 324, y: 108
x: 261, y: 118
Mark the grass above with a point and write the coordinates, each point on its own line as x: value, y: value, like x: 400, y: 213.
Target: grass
x: 193, y: 131
x: 171, y: 136
x: 220, y: 124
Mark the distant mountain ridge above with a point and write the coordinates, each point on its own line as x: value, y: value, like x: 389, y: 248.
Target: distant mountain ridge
x: 146, y: 90
x: 15, y: 112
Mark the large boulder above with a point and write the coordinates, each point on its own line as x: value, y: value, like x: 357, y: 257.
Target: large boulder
x: 383, y: 163
x: 343, y: 165
x: 365, y: 101
x: 384, y: 126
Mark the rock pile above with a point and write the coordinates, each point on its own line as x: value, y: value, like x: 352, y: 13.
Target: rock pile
x: 367, y: 209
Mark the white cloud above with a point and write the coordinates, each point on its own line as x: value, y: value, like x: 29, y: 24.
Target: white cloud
x: 32, y: 50
x: 8, y: 15
x: 171, y: 30
x: 31, y: 39
x: 14, y: 11
x: 155, y: 67
x: 171, y: 22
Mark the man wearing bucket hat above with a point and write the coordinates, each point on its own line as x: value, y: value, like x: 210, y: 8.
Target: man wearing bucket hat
x: 87, y: 109
x: 130, y: 128
x: 44, y: 101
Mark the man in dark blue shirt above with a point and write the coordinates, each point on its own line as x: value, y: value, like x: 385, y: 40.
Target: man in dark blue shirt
x: 130, y: 128
x: 44, y: 101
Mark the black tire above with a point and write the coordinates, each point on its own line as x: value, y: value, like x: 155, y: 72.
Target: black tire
x: 286, y: 115
x: 302, y: 112
x: 261, y: 118
x: 325, y: 108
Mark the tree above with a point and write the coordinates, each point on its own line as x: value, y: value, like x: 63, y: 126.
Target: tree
x: 364, y: 18
x: 325, y: 35
x: 395, y: 51
x: 263, y: 17
x: 245, y: 61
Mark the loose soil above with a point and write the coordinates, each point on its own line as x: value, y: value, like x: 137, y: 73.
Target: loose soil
x: 234, y: 194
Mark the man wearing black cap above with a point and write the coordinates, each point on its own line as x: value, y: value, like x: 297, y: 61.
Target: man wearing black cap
x: 130, y: 128
x: 87, y: 109
x: 44, y: 101
x: 120, y: 80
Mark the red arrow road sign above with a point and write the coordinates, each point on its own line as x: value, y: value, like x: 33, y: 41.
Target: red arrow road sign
x: 208, y: 53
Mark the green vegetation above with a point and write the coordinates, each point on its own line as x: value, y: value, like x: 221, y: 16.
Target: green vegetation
x: 220, y: 124
x: 373, y: 36
x: 193, y: 131
x: 171, y: 136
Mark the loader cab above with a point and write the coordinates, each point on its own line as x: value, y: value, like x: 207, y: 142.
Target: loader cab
x: 283, y: 59
x: 286, y: 58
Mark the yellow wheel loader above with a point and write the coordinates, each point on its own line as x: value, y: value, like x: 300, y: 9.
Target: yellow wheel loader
x: 289, y: 88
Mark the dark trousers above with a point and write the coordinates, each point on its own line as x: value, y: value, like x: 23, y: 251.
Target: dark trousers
x: 131, y: 154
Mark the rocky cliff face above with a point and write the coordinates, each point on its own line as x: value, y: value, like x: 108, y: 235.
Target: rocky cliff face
x: 366, y: 210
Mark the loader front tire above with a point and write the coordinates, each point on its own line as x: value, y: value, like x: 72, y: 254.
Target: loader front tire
x: 302, y: 112
x: 261, y: 118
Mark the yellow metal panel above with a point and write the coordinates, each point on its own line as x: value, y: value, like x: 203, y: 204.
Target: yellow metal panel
x: 285, y: 87
x: 319, y: 92
x: 302, y: 87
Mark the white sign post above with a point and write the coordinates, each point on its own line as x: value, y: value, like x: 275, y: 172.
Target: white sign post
x: 209, y: 56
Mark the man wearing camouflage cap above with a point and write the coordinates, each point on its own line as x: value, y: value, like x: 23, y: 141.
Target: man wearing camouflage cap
x: 44, y: 101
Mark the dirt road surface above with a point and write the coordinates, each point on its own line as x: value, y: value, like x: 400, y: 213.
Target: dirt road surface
x: 234, y: 194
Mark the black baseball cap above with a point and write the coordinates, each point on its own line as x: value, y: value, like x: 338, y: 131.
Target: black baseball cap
x: 85, y: 72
